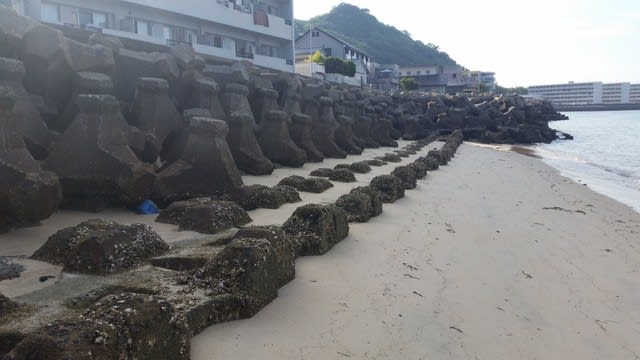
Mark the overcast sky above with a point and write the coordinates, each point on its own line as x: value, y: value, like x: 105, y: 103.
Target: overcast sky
x: 524, y: 42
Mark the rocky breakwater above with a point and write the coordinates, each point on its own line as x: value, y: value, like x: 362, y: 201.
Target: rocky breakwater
x: 100, y: 124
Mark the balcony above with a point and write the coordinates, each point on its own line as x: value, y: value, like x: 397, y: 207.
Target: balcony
x: 224, y: 12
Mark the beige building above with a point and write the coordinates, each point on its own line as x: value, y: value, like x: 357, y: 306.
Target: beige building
x: 260, y: 31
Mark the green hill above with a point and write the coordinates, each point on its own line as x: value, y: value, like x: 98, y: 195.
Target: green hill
x: 385, y: 43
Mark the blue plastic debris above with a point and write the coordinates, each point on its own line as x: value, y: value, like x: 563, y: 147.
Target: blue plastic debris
x: 148, y: 207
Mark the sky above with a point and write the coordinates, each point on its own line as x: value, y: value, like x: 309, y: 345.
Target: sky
x: 524, y: 42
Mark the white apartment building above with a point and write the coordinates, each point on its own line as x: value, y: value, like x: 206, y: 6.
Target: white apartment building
x: 570, y: 94
x: 634, y: 93
x: 257, y: 30
x: 412, y: 71
x: 616, y: 93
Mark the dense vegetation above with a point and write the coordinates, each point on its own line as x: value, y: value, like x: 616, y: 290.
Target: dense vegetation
x: 385, y: 43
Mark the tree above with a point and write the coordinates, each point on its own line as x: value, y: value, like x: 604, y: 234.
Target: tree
x: 349, y: 68
x: 483, y: 88
x: 520, y: 90
x: 334, y: 65
x: 317, y: 58
x: 408, y: 84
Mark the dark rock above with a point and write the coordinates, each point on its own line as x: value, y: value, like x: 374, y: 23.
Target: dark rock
x: 27, y: 194
x: 324, y: 127
x: 111, y: 42
x: 322, y: 172
x: 250, y: 269
x: 375, y: 197
x: 46, y: 59
x: 122, y: 326
x: 199, y: 164
x: 300, y: 131
x: 376, y: 162
x: 432, y: 163
x: 133, y: 65
x: 225, y: 74
x: 390, y: 158
x: 242, y: 140
x: 276, y: 143
x: 344, y: 136
x: 361, y: 204
x: 83, y: 83
x: 290, y: 194
x: 437, y: 154
x: 26, y: 118
x: 407, y: 175
x: 381, y: 132
x: 196, y: 91
x: 317, y: 228
x: 260, y: 197
x: 342, y: 175
x: 12, y: 30
x: 360, y: 167
x: 101, y: 247
x: 155, y: 115
x: 204, y: 215
x: 312, y: 185
x: 104, y: 170
x: 420, y: 169
x: 390, y: 187
x: 282, y: 244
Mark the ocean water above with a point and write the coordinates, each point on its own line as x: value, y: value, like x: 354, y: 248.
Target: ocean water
x: 605, y: 153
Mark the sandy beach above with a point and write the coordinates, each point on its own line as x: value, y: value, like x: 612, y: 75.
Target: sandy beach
x: 494, y: 256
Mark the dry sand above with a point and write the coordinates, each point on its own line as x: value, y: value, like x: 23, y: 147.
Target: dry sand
x: 495, y: 256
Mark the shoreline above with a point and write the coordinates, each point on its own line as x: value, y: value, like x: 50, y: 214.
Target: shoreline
x: 479, y: 270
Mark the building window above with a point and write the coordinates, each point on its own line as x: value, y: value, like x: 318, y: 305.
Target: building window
x: 418, y: 72
x: 217, y: 41
x: 454, y: 75
x: 143, y: 28
x: 315, y: 34
x: 408, y: 72
x: 50, y: 13
x: 327, y: 52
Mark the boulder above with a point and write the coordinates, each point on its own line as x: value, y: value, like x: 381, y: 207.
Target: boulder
x: 438, y: 155
x: 301, y: 134
x: 12, y: 30
x: 312, y: 185
x: 344, y: 136
x: 360, y: 167
x: 184, y: 54
x: 342, y: 175
x: 322, y: 172
x: 26, y: 118
x: 225, y: 74
x: 362, y: 130
x: 381, y: 132
x: 132, y: 65
x: 276, y: 143
x: 408, y: 176
x: 323, y: 127
x: 391, y: 188
x: 196, y: 91
x: 361, y: 204
x: 242, y: 140
x: 263, y: 197
x: 122, y: 326
x: 375, y: 162
x: 199, y: 164
x: 111, y: 42
x: 299, y: 123
x: 375, y: 197
x: 251, y: 269
x: 390, y: 158
x: 432, y: 163
x: 27, y: 194
x: 83, y: 83
x: 155, y: 115
x: 104, y: 171
x: 204, y: 215
x: 317, y: 228
x: 420, y: 169
x: 43, y: 51
x: 101, y: 247
x: 282, y: 244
